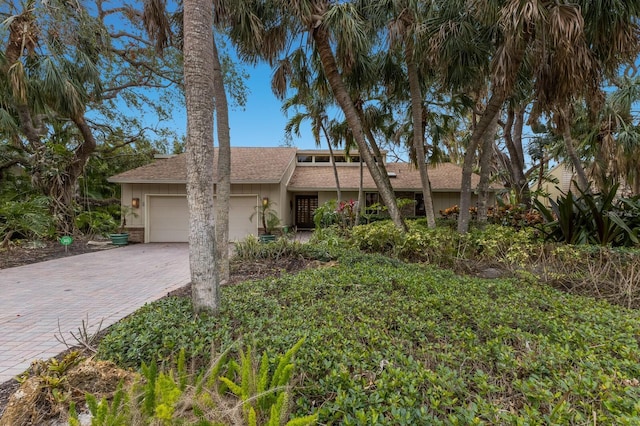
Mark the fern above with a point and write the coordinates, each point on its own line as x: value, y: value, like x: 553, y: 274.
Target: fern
x: 150, y: 373
x: 280, y: 373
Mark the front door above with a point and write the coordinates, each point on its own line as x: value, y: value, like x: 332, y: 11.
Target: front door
x: 306, y: 206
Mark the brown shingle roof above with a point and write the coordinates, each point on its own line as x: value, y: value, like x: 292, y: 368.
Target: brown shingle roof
x: 443, y: 177
x: 248, y: 165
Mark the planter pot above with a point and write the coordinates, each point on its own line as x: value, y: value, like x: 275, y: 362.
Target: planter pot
x: 267, y: 238
x: 119, y: 239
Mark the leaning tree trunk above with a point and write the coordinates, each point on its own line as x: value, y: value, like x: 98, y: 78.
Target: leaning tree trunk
x: 485, y: 166
x: 321, y: 38
x: 418, y: 134
x: 224, y: 171
x: 563, y: 122
x: 375, y: 149
x: 199, y: 95
x: 491, y: 111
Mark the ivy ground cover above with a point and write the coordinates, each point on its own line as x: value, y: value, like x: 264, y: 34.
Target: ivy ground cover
x: 395, y: 343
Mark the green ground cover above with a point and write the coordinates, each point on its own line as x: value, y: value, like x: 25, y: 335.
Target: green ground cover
x: 394, y: 343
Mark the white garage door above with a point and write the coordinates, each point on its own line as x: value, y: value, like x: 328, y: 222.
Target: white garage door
x: 168, y: 218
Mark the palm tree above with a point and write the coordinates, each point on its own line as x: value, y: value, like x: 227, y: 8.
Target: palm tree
x: 315, y: 110
x: 264, y: 31
x: 402, y: 19
x: 223, y: 185
x: 199, y: 96
x: 199, y: 75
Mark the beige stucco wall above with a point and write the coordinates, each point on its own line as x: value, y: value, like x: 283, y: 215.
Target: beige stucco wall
x: 139, y: 190
x: 563, y: 174
x: 129, y: 191
x: 285, y: 197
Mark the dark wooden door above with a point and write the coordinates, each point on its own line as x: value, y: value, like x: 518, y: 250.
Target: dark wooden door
x: 306, y: 205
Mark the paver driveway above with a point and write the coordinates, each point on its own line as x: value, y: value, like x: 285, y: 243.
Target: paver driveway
x: 106, y: 285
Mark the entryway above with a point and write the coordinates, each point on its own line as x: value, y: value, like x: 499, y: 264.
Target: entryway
x: 306, y: 206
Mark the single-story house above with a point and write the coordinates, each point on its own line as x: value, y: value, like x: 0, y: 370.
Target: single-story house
x: 295, y: 181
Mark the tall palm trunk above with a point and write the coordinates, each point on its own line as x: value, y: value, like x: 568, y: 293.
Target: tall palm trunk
x: 224, y: 171
x: 491, y: 111
x: 321, y: 38
x: 418, y: 133
x: 199, y: 95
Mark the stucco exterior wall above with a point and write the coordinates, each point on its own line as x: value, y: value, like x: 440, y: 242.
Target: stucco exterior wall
x: 129, y: 191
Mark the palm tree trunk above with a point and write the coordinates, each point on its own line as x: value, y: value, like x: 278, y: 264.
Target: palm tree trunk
x: 333, y: 163
x: 485, y: 160
x: 199, y: 95
x: 491, y: 111
x: 418, y: 133
x: 224, y: 171
x: 321, y: 38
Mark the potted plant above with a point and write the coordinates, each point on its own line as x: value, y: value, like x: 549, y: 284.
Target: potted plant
x: 120, y: 237
x: 268, y: 217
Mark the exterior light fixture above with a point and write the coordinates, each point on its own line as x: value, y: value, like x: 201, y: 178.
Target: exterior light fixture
x: 265, y: 202
x: 135, y: 203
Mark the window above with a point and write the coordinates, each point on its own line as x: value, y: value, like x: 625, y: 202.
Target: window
x: 354, y: 158
x: 305, y: 158
x: 372, y: 202
x: 339, y: 159
x: 322, y: 159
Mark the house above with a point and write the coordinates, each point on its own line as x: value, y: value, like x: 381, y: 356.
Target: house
x: 295, y: 181
x: 561, y: 179
x: 558, y: 181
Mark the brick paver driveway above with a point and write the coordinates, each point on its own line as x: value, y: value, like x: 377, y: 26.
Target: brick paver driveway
x: 106, y: 285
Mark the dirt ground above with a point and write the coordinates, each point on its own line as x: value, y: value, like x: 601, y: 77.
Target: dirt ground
x: 33, y: 252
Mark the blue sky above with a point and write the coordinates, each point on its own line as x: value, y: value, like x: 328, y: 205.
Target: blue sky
x: 261, y: 122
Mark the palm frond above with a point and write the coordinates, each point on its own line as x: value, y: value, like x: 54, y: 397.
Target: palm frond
x: 156, y: 22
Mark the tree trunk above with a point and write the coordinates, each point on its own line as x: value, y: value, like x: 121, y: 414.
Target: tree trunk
x: 361, y: 206
x: 565, y: 128
x: 335, y: 167
x: 224, y: 171
x: 199, y: 95
x: 513, y: 140
x: 491, y: 111
x: 418, y: 133
x: 321, y: 38
x: 485, y: 166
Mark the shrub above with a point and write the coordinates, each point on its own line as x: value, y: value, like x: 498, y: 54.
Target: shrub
x: 326, y: 215
x: 592, y: 219
x: 29, y: 218
x: 98, y: 222
x: 251, y: 248
x: 497, y: 244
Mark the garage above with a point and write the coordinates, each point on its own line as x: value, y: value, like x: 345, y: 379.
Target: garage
x: 168, y: 218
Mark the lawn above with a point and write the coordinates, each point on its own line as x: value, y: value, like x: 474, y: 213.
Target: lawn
x: 394, y: 343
